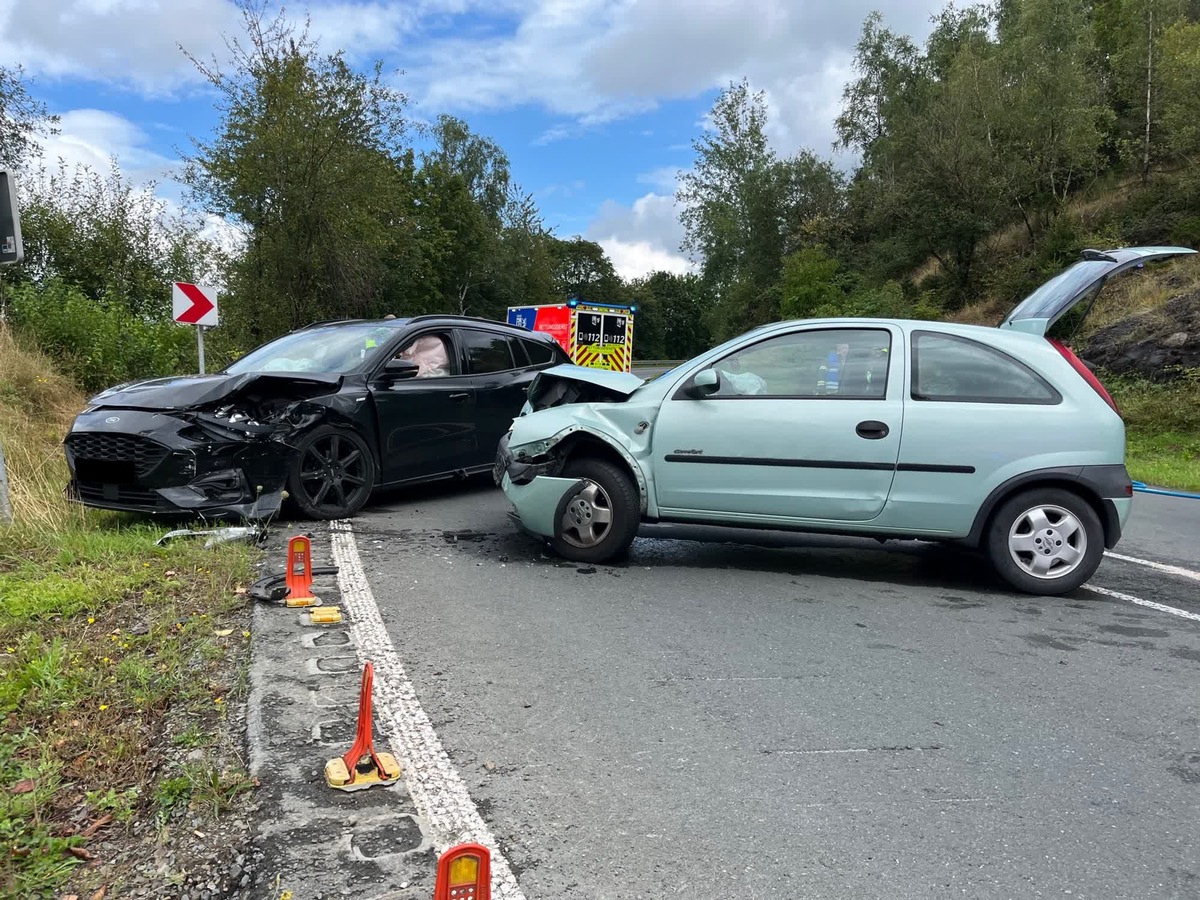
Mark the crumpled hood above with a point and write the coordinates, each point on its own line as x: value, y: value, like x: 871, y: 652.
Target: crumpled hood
x: 577, y: 384
x: 189, y: 391
x: 618, y: 382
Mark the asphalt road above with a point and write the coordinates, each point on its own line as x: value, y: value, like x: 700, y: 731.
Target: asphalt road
x: 779, y: 716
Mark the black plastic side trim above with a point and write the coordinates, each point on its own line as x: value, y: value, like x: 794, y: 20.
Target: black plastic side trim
x: 933, y: 467
x: 817, y: 464
x: 785, y: 463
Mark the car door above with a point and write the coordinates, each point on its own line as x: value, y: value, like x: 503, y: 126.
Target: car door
x: 427, y: 418
x: 804, y: 425
x: 501, y: 373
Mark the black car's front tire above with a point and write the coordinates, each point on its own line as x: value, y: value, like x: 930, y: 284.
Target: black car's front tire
x: 600, y: 521
x: 1045, y: 541
x: 332, y: 474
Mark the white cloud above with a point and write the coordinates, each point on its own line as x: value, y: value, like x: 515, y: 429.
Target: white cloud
x: 130, y: 42
x: 92, y: 137
x: 664, y: 179
x: 593, y: 61
x: 641, y: 238
x: 635, y: 259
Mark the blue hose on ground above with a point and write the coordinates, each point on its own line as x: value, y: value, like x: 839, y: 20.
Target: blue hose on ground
x: 1141, y: 487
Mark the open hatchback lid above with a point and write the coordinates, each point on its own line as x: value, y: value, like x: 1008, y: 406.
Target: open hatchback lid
x: 1079, y: 283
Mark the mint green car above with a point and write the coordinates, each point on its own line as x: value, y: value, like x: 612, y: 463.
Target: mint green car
x: 997, y: 437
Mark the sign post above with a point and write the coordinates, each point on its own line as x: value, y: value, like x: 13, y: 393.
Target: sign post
x: 12, y: 251
x: 195, y: 305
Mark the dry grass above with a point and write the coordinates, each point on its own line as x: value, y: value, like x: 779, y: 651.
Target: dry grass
x: 37, y: 405
x: 103, y: 636
x: 1142, y: 291
x: 1134, y: 293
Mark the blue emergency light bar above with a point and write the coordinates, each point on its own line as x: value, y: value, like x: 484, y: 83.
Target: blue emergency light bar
x: 573, y: 303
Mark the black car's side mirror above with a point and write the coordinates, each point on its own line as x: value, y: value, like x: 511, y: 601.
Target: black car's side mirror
x: 705, y: 383
x: 399, y: 369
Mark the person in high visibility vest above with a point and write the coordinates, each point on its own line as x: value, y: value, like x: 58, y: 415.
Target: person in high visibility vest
x: 830, y: 371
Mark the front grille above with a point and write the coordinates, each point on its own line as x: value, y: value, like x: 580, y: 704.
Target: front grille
x: 145, y: 454
x: 102, y: 494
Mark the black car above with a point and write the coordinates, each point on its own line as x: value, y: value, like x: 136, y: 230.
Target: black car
x: 326, y: 413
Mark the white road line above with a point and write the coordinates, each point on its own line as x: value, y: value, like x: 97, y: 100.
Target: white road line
x: 1182, y: 613
x: 1161, y: 567
x: 437, y: 789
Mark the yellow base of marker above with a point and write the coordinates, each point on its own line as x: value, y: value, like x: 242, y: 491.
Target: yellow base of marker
x: 294, y: 602
x: 325, y: 615
x: 337, y: 776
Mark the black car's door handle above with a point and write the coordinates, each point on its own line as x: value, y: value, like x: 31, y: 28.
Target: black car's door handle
x: 872, y: 430
x: 459, y: 398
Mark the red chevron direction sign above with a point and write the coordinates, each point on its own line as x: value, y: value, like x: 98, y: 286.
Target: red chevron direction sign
x: 194, y: 304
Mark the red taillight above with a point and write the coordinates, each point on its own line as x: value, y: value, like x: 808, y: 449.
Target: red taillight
x: 1085, y: 372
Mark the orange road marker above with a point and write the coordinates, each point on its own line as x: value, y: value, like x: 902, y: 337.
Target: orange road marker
x: 362, y: 767
x: 464, y: 873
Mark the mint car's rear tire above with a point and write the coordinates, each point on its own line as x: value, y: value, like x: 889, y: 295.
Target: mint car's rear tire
x: 1045, y: 541
x: 599, y: 522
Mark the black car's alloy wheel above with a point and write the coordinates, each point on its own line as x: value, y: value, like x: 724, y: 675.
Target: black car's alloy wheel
x: 333, y: 473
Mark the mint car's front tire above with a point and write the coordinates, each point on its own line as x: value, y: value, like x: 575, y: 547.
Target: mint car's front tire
x: 599, y: 522
x: 1046, y: 541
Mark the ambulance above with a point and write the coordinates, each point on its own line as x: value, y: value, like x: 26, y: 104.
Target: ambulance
x: 595, y: 335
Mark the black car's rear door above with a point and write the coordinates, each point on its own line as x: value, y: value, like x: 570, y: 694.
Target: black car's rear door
x: 501, y: 373
x: 427, y: 423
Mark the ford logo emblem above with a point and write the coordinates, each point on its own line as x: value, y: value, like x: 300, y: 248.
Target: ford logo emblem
x: 112, y: 420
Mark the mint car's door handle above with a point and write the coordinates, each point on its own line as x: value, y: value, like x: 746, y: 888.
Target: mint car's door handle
x: 872, y: 430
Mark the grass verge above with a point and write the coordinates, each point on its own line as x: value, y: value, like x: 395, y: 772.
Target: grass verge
x: 1163, y: 429
x: 104, y: 638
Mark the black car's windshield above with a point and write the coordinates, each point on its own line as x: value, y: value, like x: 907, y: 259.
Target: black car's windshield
x: 332, y: 349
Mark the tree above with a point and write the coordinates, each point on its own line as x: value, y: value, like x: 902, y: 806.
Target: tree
x: 672, y: 317
x: 309, y: 159
x: 1047, y: 109
x: 22, y: 119
x: 464, y: 183
x: 743, y: 207
x: 115, y: 243
x: 1180, y: 48
x: 889, y: 71
x: 811, y: 280
x: 1130, y: 35
x: 583, y: 271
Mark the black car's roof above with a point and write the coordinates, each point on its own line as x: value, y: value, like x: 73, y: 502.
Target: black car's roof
x: 439, y: 319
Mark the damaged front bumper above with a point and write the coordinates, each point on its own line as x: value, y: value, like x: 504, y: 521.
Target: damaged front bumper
x: 539, y: 497
x: 174, y: 464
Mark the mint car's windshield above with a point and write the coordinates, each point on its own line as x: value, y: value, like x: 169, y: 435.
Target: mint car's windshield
x: 333, y: 350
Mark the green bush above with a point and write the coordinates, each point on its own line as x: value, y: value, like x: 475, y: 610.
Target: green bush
x: 99, y: 344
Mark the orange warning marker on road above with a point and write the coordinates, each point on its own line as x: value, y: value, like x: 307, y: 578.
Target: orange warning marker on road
x: 362, y: 767
x: 299, y: 573
x: 464, y: 873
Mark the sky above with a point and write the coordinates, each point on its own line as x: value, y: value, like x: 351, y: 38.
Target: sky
x: 595, y: 102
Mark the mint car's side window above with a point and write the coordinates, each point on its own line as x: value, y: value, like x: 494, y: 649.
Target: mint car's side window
x: 949, y: 368
x: 828, y: 363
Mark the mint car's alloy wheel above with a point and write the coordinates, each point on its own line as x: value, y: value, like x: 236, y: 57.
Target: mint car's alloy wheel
x: 600, y: 520
x: 588, y: 518
x: 1045, y: 541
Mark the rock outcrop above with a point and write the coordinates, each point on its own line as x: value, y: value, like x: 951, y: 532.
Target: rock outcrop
x: 1157, y: 345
